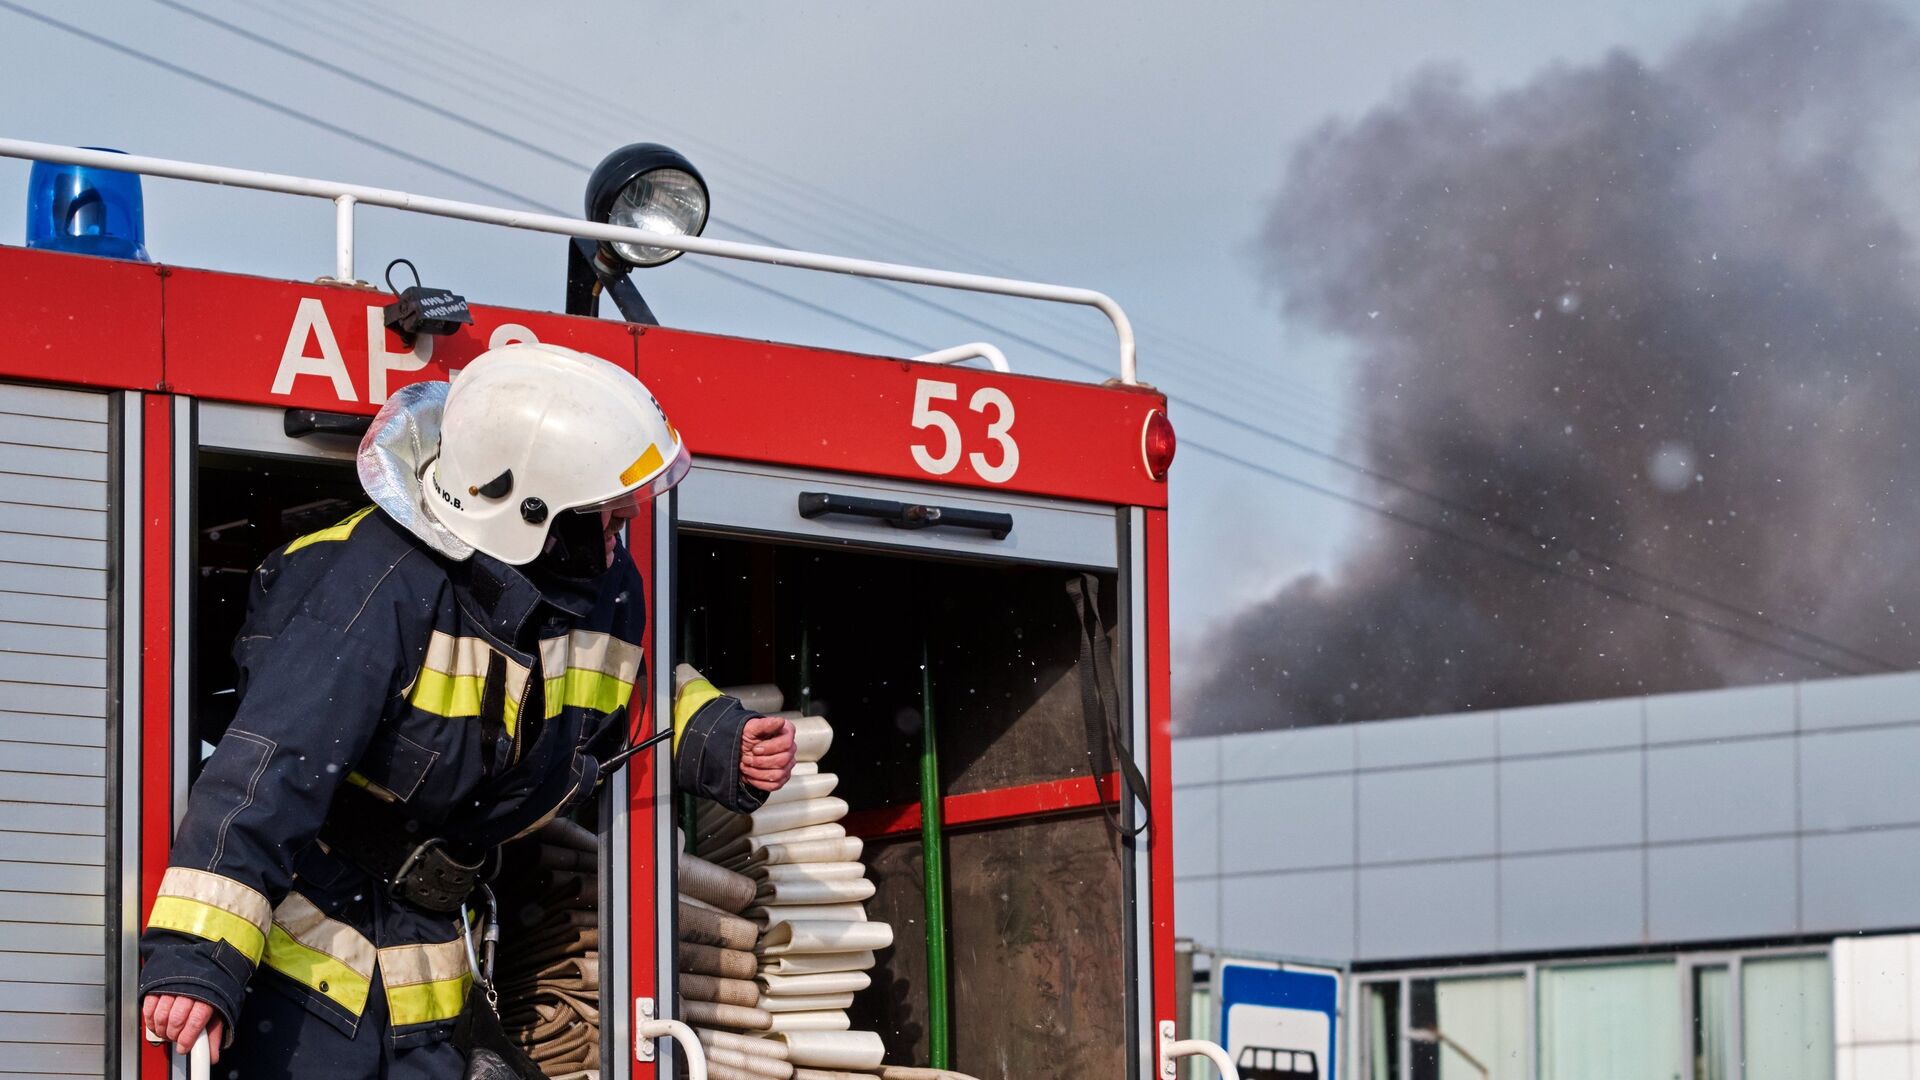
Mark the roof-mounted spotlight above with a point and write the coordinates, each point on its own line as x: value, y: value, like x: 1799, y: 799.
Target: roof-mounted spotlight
x: 642, y: 186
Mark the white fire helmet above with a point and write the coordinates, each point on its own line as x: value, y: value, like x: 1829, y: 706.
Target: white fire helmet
x: 533, y: 430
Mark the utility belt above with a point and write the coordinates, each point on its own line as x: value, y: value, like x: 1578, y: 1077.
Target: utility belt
x: 434, y: 873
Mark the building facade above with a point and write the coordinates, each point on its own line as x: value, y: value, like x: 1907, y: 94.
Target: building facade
x: 1703, y: 886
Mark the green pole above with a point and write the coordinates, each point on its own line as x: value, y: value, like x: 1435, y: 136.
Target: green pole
x: 934, y: 870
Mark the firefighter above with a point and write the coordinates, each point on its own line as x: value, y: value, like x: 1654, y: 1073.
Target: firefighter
x: 437, y: 674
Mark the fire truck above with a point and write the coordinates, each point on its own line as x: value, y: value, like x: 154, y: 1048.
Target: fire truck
x: 893, y: 536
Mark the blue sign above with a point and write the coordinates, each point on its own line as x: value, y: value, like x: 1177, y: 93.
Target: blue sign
x: 1278, y: 1021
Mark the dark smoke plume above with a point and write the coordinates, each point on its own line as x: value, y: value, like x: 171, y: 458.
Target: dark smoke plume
x: 1629, y: 322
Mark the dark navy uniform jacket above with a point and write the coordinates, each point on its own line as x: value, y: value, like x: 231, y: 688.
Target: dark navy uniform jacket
x: 473, y: 697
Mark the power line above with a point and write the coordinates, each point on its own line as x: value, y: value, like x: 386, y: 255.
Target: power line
x: 1551, y: 568
x: 1546, y: 568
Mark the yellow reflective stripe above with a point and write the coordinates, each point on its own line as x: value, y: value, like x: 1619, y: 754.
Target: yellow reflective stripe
x: 590, y: 670
x: 643, y: 466
x: 210, y: 906
x: 206, y: 921
x: 447, y: 695
x: 586, y: 690
x: 692, y: 696
x: 373, y: 789
x: 317, y: 971
x: 331, y: 532
x: 453, y: 679
x: 425, y: 983
x: 323, y: 954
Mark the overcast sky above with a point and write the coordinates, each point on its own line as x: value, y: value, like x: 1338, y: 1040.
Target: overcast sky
x: 1131, y: 147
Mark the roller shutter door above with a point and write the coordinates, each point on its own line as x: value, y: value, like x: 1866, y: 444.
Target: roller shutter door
x: 54, y: 456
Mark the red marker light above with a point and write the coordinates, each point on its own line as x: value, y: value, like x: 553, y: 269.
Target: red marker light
x: 1157, y: 444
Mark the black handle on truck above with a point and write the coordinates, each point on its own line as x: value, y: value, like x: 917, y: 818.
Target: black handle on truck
x: 901, y: 515
x: 303, y: 422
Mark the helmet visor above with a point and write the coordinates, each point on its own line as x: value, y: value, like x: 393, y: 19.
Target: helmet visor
x: 631, y: 504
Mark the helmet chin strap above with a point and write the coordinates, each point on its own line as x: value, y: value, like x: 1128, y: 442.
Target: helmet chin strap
x: 576, y: 546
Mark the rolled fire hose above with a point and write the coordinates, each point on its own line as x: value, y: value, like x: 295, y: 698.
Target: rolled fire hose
x: 813, y: 936
x: 784, y: 1023
x: 745, y: 1044
x: 816, y: 963
x: 722, y: 963
x: 807, y: 871
x: 853, y: 1050
x: 823, y: 982
x: 724, y: 889
x: 806, y: 1003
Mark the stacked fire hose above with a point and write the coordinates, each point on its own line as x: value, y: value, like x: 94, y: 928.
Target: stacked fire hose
x: 775, y: 936
x: 548, y: 970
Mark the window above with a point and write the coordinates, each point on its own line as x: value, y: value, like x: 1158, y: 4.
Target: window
x: 1786, y: 1009
x: 1381, y: 1030
x: 1601, y: 1021
x: 1690, y: 1017
x: 1713, y: 1023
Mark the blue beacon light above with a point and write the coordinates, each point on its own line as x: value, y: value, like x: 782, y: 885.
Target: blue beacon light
x: 86, y: 211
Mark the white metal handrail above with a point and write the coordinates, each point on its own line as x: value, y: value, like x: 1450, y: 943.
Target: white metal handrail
x: 346, y: 196
x: 1172, y: 1050
x: 973, y: 350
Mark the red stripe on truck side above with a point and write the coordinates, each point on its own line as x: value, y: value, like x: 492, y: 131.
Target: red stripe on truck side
x: 997, y: 804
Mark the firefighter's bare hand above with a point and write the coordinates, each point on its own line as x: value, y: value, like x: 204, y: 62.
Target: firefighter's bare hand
x: 179, y: 1019
x: 766, y: 752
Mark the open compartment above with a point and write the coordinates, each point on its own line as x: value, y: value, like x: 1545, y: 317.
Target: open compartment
x: 553, y: 913
x: 1031, y: 879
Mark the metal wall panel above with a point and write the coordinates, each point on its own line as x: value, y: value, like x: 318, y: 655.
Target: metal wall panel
x: 54, y: 585
x: 1761, y: 814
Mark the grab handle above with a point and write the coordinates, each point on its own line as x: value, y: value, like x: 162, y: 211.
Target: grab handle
x: 1172, y: 1049
x: 649, y: 1029
x: 901, y: 515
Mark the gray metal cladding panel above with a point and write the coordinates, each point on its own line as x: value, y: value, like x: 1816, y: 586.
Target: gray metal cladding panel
x: 1298, y: 824
x: 74, y: 732
x: 59, y: 878
x: 46, y: 401
x: 53, y: 491
x: 1262, y: 755
x: 65, y: 758
x: 52, y: 908
x: 53, y: 461
x: 1735, y: 889
x: 55, y: 467
x: 1196, y: 831
x: 1564, y: 803
x: 1439, y: 813
x: 1428, y: 740
x: 58, y: 700
x: 1436, y: 909
x: 50, y: 431
x: 36, y: 610
x: 52, y: 580
x: 1860, y: 700
x: 19, y: 996
x: 1851, y: 881
x: 1583, y: 900
x: 1196, y: 760
x: 52, y: 668
x: 1856, y: 779
x: 52, y: 848
x: 1196, y: 909
x: 1721, y: 714
x: 52, y: 818
x: 49, y: 967
x: 42, y: 937
x: 55, y: 788
x: 1307, y: 915
x: 80, y: 1030
x: 1720, y: 790
x: 53, y: 551
x: 53, y: 521
x: 1581, y: 725
x: 52, y: 640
